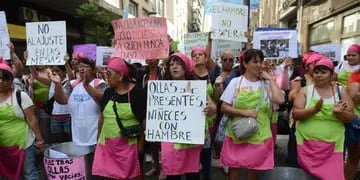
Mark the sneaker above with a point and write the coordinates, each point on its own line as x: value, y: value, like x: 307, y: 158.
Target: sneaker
x: 148, y: 158
x: 162, y: 176
x: 226, y: 169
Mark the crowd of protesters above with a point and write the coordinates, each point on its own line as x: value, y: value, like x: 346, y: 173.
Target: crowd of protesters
x: 105, y: 108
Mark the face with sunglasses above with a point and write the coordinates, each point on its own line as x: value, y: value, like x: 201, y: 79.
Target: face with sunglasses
x: 227, y: 62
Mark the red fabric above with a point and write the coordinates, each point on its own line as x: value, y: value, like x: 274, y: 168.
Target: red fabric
x: 355, y: 77
x: 11, y: 162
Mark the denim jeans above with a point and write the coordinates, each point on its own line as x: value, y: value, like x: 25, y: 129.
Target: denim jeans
x: 29, y: 169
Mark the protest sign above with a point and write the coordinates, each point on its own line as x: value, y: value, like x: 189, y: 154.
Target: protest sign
x: 218, y: 46
x: 4, y: 37
x: 103, y: 53
x: 331, y: 51
x: 67, y: 168
x: 89, y: 50
x: 175, y: 111
x: 197, y: 39
x: 276, y: 44
x: 46, y: 43
x: 141, y: 38
x: 229, y: 21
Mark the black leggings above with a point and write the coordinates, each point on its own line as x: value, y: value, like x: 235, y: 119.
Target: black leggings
x: 189, y: 176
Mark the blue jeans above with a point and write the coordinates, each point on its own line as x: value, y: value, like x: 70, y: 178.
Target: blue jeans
x: 29, y: 169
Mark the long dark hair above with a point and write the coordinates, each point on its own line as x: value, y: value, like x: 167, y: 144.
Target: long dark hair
x: 248, y: 56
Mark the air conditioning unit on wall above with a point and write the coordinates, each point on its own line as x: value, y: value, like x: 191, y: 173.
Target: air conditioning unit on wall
x: 28, y: 14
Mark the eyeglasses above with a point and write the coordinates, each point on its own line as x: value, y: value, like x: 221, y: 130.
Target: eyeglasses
x: 228, y: 59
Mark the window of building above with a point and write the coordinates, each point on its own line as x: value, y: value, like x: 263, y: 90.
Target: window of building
x: 115, y: 3
x: 321, y: 32
x: 133, y: 8
x: 160, y: 8
x: 351, y: 23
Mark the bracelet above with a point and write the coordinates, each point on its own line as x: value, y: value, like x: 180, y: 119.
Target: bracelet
x: 39, y: 142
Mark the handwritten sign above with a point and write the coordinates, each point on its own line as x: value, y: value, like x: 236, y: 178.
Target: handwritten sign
x: 141, y: 38
x: 70, y: 168
x: 89, y: 50
x: 219, y: 46
x: 229, y: 21
x: 276, y: 44
x: 4, y: 37
x: 46, y: 43
x: 103, y: 53
x: 197, y: 39
x: 331, y: 51
x: 175, y: 111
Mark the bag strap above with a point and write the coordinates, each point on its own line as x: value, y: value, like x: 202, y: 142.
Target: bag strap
x: 338, y: 92
x: 19, y: 101
x: 121, y: 126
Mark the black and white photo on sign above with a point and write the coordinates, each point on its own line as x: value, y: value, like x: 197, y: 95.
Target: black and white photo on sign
x: 276, y: 44
x: 331, y: 51
x: 275, y: 47
x: 103, y: 54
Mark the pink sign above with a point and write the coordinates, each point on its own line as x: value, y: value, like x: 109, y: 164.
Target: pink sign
x: 59, y: 169
x: 88, y: 49
x: 141, y: 38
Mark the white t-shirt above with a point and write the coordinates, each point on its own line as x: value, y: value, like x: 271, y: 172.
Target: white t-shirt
x: 344, y: 66
x: 58, y: 109
x: 26, y: 102
x: 246, y: 86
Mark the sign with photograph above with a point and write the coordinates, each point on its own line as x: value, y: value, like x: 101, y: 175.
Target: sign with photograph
x: 175, y: 111
x: 197, y: 39
x: 46, y: 43
x: 4, y: 37
x: 332, y: 51
x: 103, y: 53
x: 229, y: 21
x: 219, y: 46
x: 276, y: 44
x: 141, y: 38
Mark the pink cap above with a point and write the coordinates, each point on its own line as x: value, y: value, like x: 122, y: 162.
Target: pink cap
x: 190, y: 65
x: 354, y: 48
x: 4, y: 66
x: 118, y: 64
x: 198, y: 49
x: 311, y: 57
x: 325, y: 61
x: 78, y: 55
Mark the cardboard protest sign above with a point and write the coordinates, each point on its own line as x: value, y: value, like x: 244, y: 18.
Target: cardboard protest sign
x: 276, y: 44
x: 141, y: 38
x: 197, y: 39
x: 103, y: 53
x: 219, y: 46
x: 229, y: 21
x: 89, y: 50
x: 46, y: 43
x: 65, y: 168
x: 332, y: 51
x: 4, y: 37
x: 175, y: 111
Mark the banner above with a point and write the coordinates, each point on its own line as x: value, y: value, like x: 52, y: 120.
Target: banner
x: 175, y: 111
x: 229, y: 21
x: 46, y: 43
x: 141, y: 38
x: 89, y: 50
x: 197, y: 39
x: 4, y: 37
x: 65, y: 168
x: 276, y: 44
x: 103, y: 53
x: 219, y: 46
x: 332, y: 51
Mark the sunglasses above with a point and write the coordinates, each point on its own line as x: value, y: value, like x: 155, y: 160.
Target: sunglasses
x: 228, y: 59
